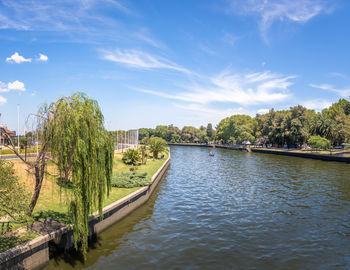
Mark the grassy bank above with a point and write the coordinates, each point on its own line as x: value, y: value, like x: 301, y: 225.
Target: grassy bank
x: 53, y: 200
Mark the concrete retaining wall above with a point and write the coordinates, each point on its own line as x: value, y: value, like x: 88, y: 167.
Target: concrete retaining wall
x: 35, y: 254
x: 303, y: 155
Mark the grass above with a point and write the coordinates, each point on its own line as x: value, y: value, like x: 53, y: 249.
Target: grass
x: 12, y: 241
x: 53, y: 198
x: 11, y: 153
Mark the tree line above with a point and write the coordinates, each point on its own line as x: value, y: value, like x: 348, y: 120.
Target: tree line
x: 293, y: 127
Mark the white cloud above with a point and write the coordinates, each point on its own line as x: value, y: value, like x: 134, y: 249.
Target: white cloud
x: 316, y: 104
x: 338, y: 74
x: 12, y: 86
x: 42, y: 57
x: 270, y: 11
x: 2, y: 100
x: 16, y: 85
x: 140, y: 59
x: 244, y: 89
x: 214, y: 112
x: 16, y: 58
x: 328, y: 87
x: 263, y: 111
x: 82, y: 21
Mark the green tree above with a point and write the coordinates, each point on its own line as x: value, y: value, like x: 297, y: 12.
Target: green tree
x: 79, y: 141
x: 162, y: 132
x: 296, y: 126
x: 14, y: 198
x: 157, y: 145
x: 324, y: 126
x: 210, y: 131
x: 236, y: 128
x: 319, y: 142
x: 144, y: 153
x: 131, y: 156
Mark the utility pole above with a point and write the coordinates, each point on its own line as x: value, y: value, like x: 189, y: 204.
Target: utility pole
x: 19, y: 151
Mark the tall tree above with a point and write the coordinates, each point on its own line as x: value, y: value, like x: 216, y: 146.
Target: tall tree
x: 210, y: 131
x: 79, y: 141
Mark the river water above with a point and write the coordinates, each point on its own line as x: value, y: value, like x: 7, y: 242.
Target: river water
x: 235, y: 210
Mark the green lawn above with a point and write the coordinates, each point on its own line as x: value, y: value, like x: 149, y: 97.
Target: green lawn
x: 53, y: 198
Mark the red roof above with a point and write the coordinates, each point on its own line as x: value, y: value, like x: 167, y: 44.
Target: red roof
x: 8, y: 131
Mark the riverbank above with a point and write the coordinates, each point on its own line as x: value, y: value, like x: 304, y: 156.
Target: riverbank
x: 35, y: 253
x: 324, y: 157
x: 320, y: 155
x: 234, y: 210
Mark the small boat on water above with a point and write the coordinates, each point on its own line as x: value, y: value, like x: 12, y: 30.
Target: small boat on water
x: 211, y: 153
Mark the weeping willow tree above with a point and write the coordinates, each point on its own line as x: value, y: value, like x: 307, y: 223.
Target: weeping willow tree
x: 83, y: 151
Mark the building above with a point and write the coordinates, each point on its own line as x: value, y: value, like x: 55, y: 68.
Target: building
x: 3, y: 137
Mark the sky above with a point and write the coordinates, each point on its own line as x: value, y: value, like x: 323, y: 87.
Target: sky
x: 161, y: 62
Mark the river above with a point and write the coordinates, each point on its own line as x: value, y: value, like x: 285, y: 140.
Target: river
x: 234, y: 210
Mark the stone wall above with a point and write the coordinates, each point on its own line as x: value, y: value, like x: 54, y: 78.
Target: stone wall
x: 35, y: 254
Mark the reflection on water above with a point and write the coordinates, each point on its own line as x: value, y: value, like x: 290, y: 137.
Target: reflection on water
x: 233, y: 211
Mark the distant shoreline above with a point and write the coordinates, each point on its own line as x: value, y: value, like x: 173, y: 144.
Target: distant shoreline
x: 267, y: 151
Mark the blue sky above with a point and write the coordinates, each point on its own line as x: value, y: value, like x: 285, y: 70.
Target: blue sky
x: 173, y: 62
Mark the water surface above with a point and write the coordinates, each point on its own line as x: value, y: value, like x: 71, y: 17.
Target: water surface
x: 233, y: 211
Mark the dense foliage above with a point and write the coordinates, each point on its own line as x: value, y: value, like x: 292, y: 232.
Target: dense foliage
x: 319, y: 142
x: 173, y: 134
x: 157, y: 145
x: 131, y: 179
x: 291, y: 128
x: 83, y: 151
x: 131, y: 156
x: 14, y: 198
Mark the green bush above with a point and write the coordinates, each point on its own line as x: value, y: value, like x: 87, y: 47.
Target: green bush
x: 131, y: 156
x: 130, y: 180
x: 157, y: 145
x: 14, y: 198
x: 319, y: 142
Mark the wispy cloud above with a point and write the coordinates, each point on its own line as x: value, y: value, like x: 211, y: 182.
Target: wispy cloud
x: 229, y: 38
x: 145, y: 36
x: 16, y: 58
x: 271, y: 11
x: 214, y: 112
x: 53, y: 15
x: 206, y: 49
x: 244, y: 89
x: 42, y: 57
x: 143, y: 60
x: 345, y: 92
x: 81, y: 21
x: 338, y: 75
x: 316, y: 104
x: 263, y: 111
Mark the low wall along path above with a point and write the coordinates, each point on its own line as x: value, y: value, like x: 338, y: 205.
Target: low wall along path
x: 35, y: 254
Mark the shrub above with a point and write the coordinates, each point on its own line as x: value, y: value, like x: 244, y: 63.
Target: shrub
x: 319, y: 142
x: 131, y: 156
x: 14, y: 198
x: 144, y: 153
x: 130, y: 179
x: 157, y: 145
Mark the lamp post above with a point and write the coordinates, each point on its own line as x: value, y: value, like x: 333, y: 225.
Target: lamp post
x: 19, y: 151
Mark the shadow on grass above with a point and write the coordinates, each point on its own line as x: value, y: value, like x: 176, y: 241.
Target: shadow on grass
x: 61, y: 217
x: 8, y: 242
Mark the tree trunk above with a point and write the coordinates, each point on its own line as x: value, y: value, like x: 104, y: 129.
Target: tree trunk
x: 39, y: 176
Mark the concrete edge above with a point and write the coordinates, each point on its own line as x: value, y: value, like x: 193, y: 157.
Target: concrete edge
x: 303, y: 155
x: 41, y: 240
